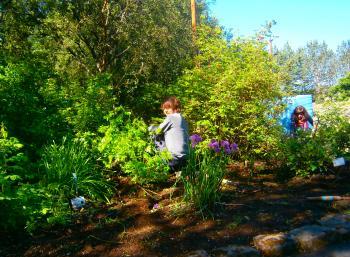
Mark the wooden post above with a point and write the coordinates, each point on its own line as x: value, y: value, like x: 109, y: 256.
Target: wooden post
x: 193, y: 13
x: 194, y: 30
x: 269, y: 42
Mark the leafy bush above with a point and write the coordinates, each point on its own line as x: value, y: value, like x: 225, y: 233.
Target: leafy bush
x: 312, y: 152
x: 203, y: 174
x: 232, y: 93
x: 12, y: 172
x: 341, y: 91
x: 88, y: 102
x: 36, y: 207
x: 334, y: 131
x: 305, y: 155
x: 12, y: 159
x: 23, y: 205
x: 70, y: 171
x: 30, y: 102
x: 126, y: 144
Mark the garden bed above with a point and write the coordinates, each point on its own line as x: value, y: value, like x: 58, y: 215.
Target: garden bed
x: 154, y: 221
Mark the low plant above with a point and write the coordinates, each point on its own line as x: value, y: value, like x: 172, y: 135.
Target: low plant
x: 70, y: 171
x: 205, y: 170
x: 12, y: 161
x: 312, y: 152
x: 304, y: 155
x: 127, y: 145
x: 12, y: 173
x: 334, y: 130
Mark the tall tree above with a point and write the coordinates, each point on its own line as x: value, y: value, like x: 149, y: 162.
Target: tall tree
x: 292, y: 63
x: 310, y: 68
x: 343, y: 53
x: 320, y: 63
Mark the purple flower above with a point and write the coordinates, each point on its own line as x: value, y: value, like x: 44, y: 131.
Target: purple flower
x: 214, y: 145
x: 195, y: 139
x: 234, y: 147
x: 156, y: 206
x: 226, y: 146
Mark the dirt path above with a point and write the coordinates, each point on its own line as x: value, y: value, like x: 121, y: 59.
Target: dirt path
x: 132, y: 227
x: 339, y: 250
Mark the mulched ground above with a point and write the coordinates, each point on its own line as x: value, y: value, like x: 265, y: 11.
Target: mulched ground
x: 148, y: 222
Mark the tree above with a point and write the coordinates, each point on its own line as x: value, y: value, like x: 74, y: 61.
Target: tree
x: 292, y: 63
x: 266, y: 34
x: 320, y: 62
x: 312, y: 67
x: 341, y: 91
x: 138, y: 43
x: 343, y: 54
x: 135, y: 44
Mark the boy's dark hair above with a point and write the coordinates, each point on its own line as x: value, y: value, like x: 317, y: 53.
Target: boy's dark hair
x: 171, y: 103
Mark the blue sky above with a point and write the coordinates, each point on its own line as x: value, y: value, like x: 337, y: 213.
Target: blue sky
x: 298, y: 21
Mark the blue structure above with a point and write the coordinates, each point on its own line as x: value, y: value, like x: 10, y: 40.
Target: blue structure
x: 292, y: 102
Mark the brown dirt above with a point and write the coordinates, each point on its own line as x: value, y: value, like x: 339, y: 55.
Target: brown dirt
x: 131, y: 227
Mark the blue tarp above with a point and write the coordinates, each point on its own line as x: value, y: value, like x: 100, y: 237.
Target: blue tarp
x: 292, y: 102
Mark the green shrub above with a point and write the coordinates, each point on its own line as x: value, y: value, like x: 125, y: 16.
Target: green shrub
x: 334, y: 132
x: 232, y: 93
x: 126, y: 144
x: 31, y: 102
x: 38, y: 208
x: 312, y: 152
x: 88, y: 101
x: 341, y: 91
x: 70, y: 171
x: 12, y: 159
x: 305, y: 155
x: 12, y: 173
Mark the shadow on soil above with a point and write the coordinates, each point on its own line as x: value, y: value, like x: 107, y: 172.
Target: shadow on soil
x: 130, y: 227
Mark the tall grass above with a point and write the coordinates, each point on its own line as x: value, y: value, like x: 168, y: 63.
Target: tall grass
x: 204, y: 172
x: 202, y: 180
x: 70, y: 171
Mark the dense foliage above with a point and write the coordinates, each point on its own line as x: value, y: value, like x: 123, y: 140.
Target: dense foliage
x: 80, y: 82
x: 312, y: 152
x: 232, y: 93
x: 70, y: 171
x: 126, y: 144
x: 341, y: 91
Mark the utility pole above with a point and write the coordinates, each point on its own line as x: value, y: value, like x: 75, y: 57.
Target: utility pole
x: 193, y: 13
x: 269, y: 42
x: 194, y: 29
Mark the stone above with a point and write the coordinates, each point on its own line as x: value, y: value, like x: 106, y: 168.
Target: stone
x: 341, y: 205
x: 335, y: 220
x: 278, y: 244
x: 312, y: 237
x: 235, y: 251
x: 340, y: 222
x: 198, y: 253
x: 170, y: 192
x: 271, y: 184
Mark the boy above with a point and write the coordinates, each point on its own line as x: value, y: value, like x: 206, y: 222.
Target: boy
x: 175, y: 131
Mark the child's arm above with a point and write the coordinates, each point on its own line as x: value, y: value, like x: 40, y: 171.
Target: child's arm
x: 164, y: 126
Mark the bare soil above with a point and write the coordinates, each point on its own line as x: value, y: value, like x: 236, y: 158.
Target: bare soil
x: 152, y: 222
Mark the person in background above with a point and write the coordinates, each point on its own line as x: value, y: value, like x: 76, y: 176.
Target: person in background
x: 300, y: 119
x: 175, y: 131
